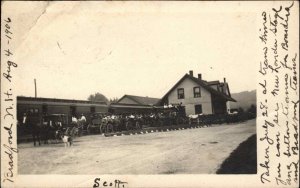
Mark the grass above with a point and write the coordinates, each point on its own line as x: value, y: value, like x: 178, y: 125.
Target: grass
x: 243, y: 160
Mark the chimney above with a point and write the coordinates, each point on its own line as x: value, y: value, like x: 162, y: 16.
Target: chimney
x: 224, y: 80
x: 200, y: 76
x: 191, y: 73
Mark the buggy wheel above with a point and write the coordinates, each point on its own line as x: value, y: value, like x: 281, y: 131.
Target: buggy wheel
x: 103, y: 129
x: 79, y: 131
x: 67, y: 132
x: 74, y: 132
x: 128, y: 126
x: 109, y: 127
x: 88, y: 129
x: 137, y: 125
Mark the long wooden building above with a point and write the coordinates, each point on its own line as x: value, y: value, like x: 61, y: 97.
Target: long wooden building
x: 40, y: 106
x: 135, y: 104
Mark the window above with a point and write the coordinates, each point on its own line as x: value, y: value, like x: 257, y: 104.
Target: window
x: 198, y: 109
x: 197, y: 92
x: 45, y: 109
x: 93, y: 109
x: 73, y: 110
x: 34, y: 111
x: 180, y: 93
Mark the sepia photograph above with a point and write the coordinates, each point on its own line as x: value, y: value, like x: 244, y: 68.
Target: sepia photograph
x: 134, y: 88
x: 113, y: 93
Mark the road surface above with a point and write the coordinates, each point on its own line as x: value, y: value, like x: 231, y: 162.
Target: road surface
x: 189, y: 151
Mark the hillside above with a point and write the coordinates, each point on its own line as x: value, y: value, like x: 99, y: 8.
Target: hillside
x: 244, y: 99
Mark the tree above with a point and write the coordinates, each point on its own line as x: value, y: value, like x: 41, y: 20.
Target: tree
x: 98, y: 97
x: 240, y: 110
x: 252, y: 109
x: 114, y: 100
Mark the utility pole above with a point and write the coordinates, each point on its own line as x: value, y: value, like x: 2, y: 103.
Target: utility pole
x: 35, y: 92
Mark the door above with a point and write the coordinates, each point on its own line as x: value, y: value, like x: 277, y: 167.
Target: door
x: 198, y: 109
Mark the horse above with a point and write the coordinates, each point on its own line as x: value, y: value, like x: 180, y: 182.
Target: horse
x: 110, y: 124
x: 151, y: 119
x: 129, y: 123
x: 103, y: 126
x: 194, y: 119
x: 133, y: 123
x: 52, y: 131
x: 35, y: 127
x: 77, y: 125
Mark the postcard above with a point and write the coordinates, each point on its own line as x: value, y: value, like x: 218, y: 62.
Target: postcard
x: 149, y: 94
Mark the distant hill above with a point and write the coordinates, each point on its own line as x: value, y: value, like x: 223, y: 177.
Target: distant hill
x: 244, y: 99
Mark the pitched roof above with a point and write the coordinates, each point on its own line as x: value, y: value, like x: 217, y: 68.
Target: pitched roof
x: 141, y: 100
x: 42, y: 99
x: 213, y: 82
x: 204, y: 84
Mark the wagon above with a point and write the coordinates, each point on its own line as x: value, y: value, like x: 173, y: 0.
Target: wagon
x: 133, y: 122
x: 54, y: 125
x: 95, y: 124
x: 173, y: 115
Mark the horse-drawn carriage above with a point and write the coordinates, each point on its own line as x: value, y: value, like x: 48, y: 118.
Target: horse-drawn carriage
x: 56, y: 125
x: 201, y: 119
x: 53, y: 126
x: 171, y: 115
x: 104, y: 123
x: 49, y: 127
x: 108, y: 123
x: 94, y: 125
x: 134, y: 122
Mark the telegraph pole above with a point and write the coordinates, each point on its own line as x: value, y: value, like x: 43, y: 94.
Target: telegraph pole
x: 35, y: 91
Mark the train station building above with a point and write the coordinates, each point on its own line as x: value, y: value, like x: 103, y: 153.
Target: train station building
x: 199, y: 96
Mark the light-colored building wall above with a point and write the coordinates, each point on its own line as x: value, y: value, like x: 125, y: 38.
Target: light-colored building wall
x: 189, y: 101
x: 228, y: 106
x: 127, y: 100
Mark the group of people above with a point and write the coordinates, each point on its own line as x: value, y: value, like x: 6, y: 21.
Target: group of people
x: 81, y: 119
x: 118, y: 122
x: 46, y: 127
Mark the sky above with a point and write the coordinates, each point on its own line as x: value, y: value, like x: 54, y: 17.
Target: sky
x: 74, y: 49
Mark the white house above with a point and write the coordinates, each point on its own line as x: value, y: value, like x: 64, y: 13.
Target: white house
x: 198, y: 96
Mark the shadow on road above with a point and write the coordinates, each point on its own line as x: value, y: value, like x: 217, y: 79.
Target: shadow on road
x: 243, y: 160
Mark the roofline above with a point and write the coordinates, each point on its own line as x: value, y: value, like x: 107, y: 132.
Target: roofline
x: 128, y: 97
x: 200, y: 82
x: 177, y: 83
x: 212, y: 90
x: 59, y: 100
x: 112, y: 105
x: 121, y: 98
x: 131, y: 97
x: 228, y: 89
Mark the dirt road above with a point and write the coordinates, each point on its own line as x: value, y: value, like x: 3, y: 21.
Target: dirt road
x: 189, y: 151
